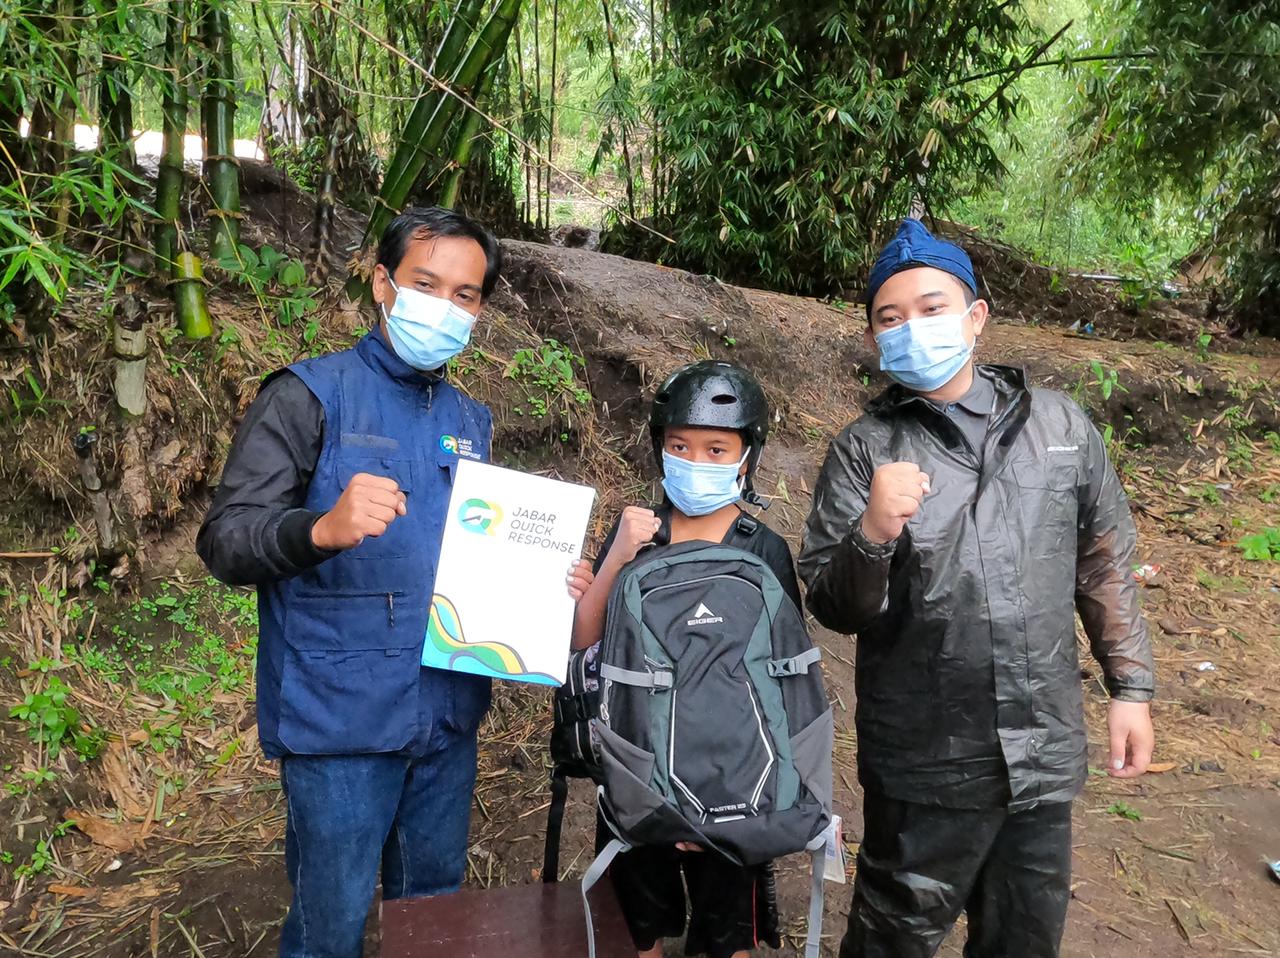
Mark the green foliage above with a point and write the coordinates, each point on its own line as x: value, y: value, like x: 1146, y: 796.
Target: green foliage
x: 548, y: 374
x: 276, y: 281
x: 30, y: 781
x: 1210, y: 494
x: 1037, y: 207
x: 42, y: 855
x: 789, y: 134
x: 27, y: 397
x: 55, y: 723
x: 1125, y: 810
x: 54, y: 207
x: 1261, y: 546
x: 1106, y: 380
x: 1188, y: 103
x: 302, y: 162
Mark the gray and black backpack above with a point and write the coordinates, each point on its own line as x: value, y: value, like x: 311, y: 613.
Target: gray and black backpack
x: 713, y: 725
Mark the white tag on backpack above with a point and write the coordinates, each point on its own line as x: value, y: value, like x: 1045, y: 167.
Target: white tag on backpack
x: 833, y: 866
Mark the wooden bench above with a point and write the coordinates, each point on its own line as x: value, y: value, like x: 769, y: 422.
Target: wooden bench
x: 515, y: 921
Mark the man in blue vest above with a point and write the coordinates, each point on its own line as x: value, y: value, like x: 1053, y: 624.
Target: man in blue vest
x: 332, y: 503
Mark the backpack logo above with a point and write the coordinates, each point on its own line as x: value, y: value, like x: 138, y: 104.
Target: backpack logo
x: 704, y: 616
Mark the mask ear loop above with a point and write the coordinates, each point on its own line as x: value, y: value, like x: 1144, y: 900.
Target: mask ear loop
x: 382, y: 307
x: 749, y: 495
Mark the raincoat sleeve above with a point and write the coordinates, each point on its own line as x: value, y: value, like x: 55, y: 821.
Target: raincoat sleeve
x: 1106, y: 595
x: 847, y: 575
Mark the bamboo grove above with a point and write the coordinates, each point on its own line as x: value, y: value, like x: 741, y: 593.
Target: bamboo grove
x: 763, y: 142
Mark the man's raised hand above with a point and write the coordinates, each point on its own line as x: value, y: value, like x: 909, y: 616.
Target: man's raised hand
x: 897, y: 489
x: 366, y: 507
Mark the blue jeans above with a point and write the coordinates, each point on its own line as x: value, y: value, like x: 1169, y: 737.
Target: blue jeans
x: 350, y: 814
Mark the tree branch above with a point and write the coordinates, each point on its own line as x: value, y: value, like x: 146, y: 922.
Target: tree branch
x: 1102, y: 57
x: 1016, y: 71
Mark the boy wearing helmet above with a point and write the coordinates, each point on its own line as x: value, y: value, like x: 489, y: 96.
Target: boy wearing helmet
x: 708, y: 424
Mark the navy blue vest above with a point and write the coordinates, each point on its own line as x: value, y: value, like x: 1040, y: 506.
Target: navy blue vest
x: 341, y: 644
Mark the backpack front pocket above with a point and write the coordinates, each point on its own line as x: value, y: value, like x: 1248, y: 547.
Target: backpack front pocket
x: 722, y: 760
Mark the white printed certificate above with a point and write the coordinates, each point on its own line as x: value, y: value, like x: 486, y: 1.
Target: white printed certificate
x: 501, y: 607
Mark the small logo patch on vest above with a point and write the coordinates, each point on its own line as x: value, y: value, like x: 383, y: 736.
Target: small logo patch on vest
x: 459, y: 446
x: 704, y: 616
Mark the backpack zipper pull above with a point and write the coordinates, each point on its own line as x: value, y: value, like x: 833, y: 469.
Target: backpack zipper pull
x: 391, y: 610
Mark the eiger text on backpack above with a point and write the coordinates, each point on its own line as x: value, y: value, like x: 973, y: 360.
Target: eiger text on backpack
x: 713, y: 726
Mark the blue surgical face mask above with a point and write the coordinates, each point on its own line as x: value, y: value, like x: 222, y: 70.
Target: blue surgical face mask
x: 700, y: 488
x: 426, y: 331
x: 925, y: 353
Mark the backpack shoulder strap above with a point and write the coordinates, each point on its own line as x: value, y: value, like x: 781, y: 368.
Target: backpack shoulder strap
x: 813, y: 940
x: 555, y: 819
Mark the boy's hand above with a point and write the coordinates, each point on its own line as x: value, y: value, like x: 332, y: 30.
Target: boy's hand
x: 897, y: 489
x: 366, y: 507
x: 636, y: 528
x: 1132, y: 738
x: 580, y: 579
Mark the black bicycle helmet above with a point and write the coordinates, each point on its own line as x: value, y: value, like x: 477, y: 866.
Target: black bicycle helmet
x: 714, y: 395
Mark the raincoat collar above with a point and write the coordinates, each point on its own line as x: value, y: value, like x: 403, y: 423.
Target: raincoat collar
x: 1009, y: 382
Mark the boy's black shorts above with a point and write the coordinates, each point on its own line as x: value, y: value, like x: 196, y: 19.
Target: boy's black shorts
x: 731, y: 907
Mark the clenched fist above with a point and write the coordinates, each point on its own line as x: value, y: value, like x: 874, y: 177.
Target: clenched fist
x: 366, y: 507
x: 897, y: 489
x: 636, y: 528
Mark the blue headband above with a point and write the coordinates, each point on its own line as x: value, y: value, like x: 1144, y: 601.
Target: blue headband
x: 916, y: 246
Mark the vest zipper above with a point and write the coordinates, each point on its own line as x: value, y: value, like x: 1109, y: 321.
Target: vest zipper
x: 391, y: 610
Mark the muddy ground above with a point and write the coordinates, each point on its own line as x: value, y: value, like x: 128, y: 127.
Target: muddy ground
x: 179, y: 848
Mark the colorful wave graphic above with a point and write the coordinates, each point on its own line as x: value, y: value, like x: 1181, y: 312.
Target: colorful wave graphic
x: 445, y: 637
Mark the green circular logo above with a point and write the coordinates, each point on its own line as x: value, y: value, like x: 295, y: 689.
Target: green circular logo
x: 480, y: 516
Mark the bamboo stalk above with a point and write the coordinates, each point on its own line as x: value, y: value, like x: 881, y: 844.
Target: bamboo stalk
x: 537, y: 117
x: 444, y: 63
x: 129, y: 343
x: 222, y: 171
x: 326, y: 202
x: 169, y: 181
x: 655, y: 134
x: 68, y: 44
x: 419, y: 145
x: 551, y: 115
x: 84, y: 443
x: 189, y: 305
x: 523, y: 89
x: 617, y: 81
x: 462, y: 147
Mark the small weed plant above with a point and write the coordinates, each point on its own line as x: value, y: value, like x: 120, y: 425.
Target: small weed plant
x: 549, y: 376
x: 1261, y: 546
x: 276, y: 281
x: 55, y: 723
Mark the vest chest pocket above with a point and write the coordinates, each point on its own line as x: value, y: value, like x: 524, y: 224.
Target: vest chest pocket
x: 398, y: 539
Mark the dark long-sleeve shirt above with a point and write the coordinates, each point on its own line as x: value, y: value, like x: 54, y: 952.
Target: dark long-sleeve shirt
x: 256, y: 530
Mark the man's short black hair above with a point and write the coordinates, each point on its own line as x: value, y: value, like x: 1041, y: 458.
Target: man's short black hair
x: 424, y: 222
